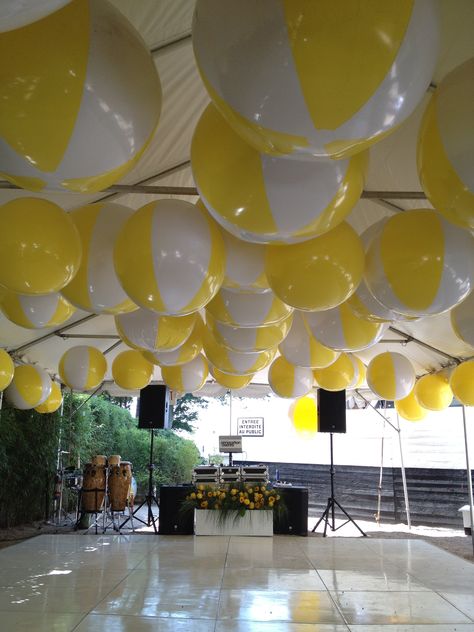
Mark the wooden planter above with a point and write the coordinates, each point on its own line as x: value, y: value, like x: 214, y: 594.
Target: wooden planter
x: 252, y: 523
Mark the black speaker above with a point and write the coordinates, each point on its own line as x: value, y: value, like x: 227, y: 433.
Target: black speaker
x: 332, y: 411
x: 295, y: 520
x: 171, y: 521
x: 154, y: 409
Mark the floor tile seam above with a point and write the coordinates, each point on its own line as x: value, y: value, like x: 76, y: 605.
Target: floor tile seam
x: 221, y: 582
x: 440, y: 594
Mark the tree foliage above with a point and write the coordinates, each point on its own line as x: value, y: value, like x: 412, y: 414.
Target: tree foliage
x: 185, y: 412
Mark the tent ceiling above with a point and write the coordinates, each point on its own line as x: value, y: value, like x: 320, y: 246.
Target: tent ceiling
x: 165, y: 26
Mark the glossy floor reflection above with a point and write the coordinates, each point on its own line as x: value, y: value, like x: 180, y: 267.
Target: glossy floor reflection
x: 283, y: 584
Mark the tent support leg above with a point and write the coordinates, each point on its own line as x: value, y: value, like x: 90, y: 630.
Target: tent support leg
x: 404, y: 478
x: 469, y: 477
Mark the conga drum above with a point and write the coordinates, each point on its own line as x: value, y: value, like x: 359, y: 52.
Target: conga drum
x: 120, y: 478
x: 94, y: 479
x: 114, y: 459
x: 99, y: 459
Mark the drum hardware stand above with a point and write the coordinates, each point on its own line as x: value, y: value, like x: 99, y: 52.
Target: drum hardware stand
x: 102, y: 512
x: 333, y: 503
x: 150, y: 497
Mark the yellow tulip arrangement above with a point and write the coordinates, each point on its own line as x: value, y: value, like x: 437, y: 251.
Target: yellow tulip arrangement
x: 233, y: 499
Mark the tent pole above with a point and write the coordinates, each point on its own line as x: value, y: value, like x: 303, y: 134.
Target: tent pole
x: 379, y: 489
x: 469, y: 477
x: 230, y: 411
x: 404, y: 478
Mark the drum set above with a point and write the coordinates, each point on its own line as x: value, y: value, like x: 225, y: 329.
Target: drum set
x: 108, y: 490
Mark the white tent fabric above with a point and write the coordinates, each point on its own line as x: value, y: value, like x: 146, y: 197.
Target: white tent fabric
x: 165, y: 26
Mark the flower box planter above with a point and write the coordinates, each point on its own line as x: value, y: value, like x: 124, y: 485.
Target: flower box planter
x: 252, y: 523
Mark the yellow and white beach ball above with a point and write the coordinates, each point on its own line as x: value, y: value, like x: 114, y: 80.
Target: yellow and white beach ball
x: 186, y: 378
x: 462, y: 382
x: 170, y: 257
x: 317, y: 274
x: 462, y: 320
x: 321, y: 79
x: 339, y: 328
x: 82, y: 368
x: 7, y: 369
x: 40, y: 249
x: 53, y: 401
x: 17, y: 13
x: 303, y: 413
x: 248, y: 339
x: 79, y: 100
x: 30, y: 387
x: 430, y: 274
x: 359, y: 375
x: 35, y: 312
x: 247, y: 309
x: 234, y: 382
x: 433, y: 391
x: 146, y: 330
x: 131, y: 371
x: 245, y: 265
x: 287, y: 380
x: 183, y: 354
x: 263, y: 198
x: 410, y: 409
x: 96, y: 288
x: 235, y: 362
x: 391, y: 376
x: 301, y: 348
x: 446, y: 147
x: 339, y: 375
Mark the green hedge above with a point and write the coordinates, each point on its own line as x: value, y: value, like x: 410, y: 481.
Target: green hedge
x: 29, y: 443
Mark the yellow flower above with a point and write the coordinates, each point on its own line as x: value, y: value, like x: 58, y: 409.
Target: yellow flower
x: 222, y: 496
x: 199, y: 495
x: 257, y: 488
x: 250, y: 490
x: 204, y: 504
x: 233, y: 491
x: 247, y: 501
x: 267, y: 493
x: 263, y: 488
x: 201, y: 488
x: 209, y: 494
x: 241, y: 499
x: 251, y: 506
x: 271, y: 499
x: 193, y: 495
x: 278, y: 497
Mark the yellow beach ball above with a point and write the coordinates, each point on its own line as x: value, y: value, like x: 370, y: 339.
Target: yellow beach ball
x: 235, y: 362
x: 321, y: 79
x: 14, y: 14
x: 53, y: 401
x: 247, y: 310
x: 391, y: 376
x: 144, y: 329
x: 462, y: 382
x: 409, y: 408
x: 462, y: 320
x: 183, y: 354
x: 234, y: 382
x: 35, y: 312
x: 245, y: 265
x: 7, y: 369
x: 341, y: 329
x: 263, y: 198
x: 432, y: 273
x: 96, y: 288
x: 180, y: 263
x: 317, y: 274
x: 304, y: 414
x: 248, y: 339
x: 131, y: 371
x: 446, y: 147
x: 301, y: 348
x: 339, y: 375
x: 433, y: 391
x: 82, y: 368
x: 30, y: 387
x: 80, y: 98
x: 186, y: 378
x: 40, y: 249
x: 287, y: 380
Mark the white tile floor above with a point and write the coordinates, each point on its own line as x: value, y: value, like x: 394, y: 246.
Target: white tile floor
x: 61, y: 583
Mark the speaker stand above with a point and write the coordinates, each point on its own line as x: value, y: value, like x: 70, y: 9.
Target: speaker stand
x: 150, y: 497
x: 333, y: 503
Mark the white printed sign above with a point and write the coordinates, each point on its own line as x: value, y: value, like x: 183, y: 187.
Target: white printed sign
x: 250, y: 426
x: 229, y: 443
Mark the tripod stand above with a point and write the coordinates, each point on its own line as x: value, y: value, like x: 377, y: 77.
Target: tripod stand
x: 332, y: 504
x: 150, y: 497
